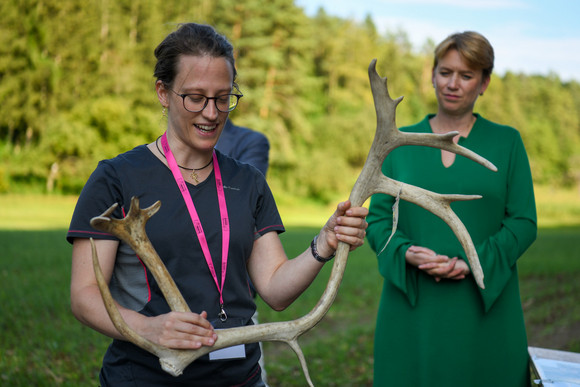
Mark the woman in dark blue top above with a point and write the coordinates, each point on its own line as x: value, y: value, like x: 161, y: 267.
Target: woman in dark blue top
x: 195, y: 74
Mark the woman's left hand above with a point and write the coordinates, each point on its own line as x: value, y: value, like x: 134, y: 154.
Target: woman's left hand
x: 347, y: 224
x: 454, y: 269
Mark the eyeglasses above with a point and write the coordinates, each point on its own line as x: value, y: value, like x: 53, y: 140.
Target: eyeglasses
x: 195, y: 103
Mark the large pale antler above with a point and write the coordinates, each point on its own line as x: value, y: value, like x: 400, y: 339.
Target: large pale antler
x: 131, y: 229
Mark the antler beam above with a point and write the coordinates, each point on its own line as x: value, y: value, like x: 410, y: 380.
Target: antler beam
x: 131, y: 229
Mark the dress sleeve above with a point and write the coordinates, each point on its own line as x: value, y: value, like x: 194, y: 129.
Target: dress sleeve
x: 391, y: 256
x: 500, y: 252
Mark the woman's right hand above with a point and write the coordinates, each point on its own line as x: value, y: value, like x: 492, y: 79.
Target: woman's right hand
x: 422, y: 256
x: 179, y: 330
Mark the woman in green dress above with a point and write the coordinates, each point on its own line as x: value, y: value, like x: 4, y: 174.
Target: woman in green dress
x: 435, y: 326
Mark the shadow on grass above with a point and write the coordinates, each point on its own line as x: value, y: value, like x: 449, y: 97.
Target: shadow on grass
x: 42, y: 343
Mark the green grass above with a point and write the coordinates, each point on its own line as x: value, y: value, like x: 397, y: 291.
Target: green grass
x: 43, y: 345
x: 550, y: 289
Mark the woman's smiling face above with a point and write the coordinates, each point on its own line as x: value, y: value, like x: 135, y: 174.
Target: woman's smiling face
x: 457, y: 86
x: 206, y: 75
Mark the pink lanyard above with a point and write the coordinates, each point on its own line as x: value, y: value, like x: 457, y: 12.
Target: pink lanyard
x: 197, y: 223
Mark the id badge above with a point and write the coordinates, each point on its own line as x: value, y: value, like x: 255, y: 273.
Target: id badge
x: 235, y: 352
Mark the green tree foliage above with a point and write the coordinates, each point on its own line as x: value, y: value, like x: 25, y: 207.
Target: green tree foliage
x: 76, y: 86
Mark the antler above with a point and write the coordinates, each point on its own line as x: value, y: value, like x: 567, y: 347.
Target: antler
x: 131, y: 229
x: 388, y: 137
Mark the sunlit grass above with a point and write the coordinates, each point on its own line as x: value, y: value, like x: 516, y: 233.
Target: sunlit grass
x: 556, y: 207
x: 35, y: 212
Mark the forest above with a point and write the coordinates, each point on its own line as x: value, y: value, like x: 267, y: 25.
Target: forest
x: 76, y: 86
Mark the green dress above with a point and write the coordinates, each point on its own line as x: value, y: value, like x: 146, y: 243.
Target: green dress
x: 452, y: 333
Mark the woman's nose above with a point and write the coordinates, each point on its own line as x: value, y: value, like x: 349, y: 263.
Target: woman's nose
x: 211, y: 112
x: 452, y: 84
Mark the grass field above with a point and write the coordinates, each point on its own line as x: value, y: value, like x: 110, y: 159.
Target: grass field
x: 43, y: 345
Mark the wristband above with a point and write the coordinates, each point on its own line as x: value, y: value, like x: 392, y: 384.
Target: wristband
x: 315, y: 252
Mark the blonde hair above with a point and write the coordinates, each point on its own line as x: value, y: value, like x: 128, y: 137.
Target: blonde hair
x: 473, y: 47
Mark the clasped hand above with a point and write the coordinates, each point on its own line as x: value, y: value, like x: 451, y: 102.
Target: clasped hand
x: 436, y: 265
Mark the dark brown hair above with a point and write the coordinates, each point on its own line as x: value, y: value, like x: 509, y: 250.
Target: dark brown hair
x: 190, y: 39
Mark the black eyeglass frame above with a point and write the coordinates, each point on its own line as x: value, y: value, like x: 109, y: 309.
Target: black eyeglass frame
x: 207, y: 99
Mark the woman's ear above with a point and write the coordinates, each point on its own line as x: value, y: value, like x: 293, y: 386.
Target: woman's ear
x: 162, y: 93
x: 484, y: 85
x: 433, y: 77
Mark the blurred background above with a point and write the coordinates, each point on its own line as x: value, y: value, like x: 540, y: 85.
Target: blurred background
x: 76, y: 84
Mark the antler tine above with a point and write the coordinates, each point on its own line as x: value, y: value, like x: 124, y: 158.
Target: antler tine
x: 111, y: 306
x: 445, y: 141
x: 438, y: 205
x: 131, y: 229
x: 390, y: 137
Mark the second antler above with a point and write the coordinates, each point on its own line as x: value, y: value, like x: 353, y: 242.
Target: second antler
x: 131, y: 229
